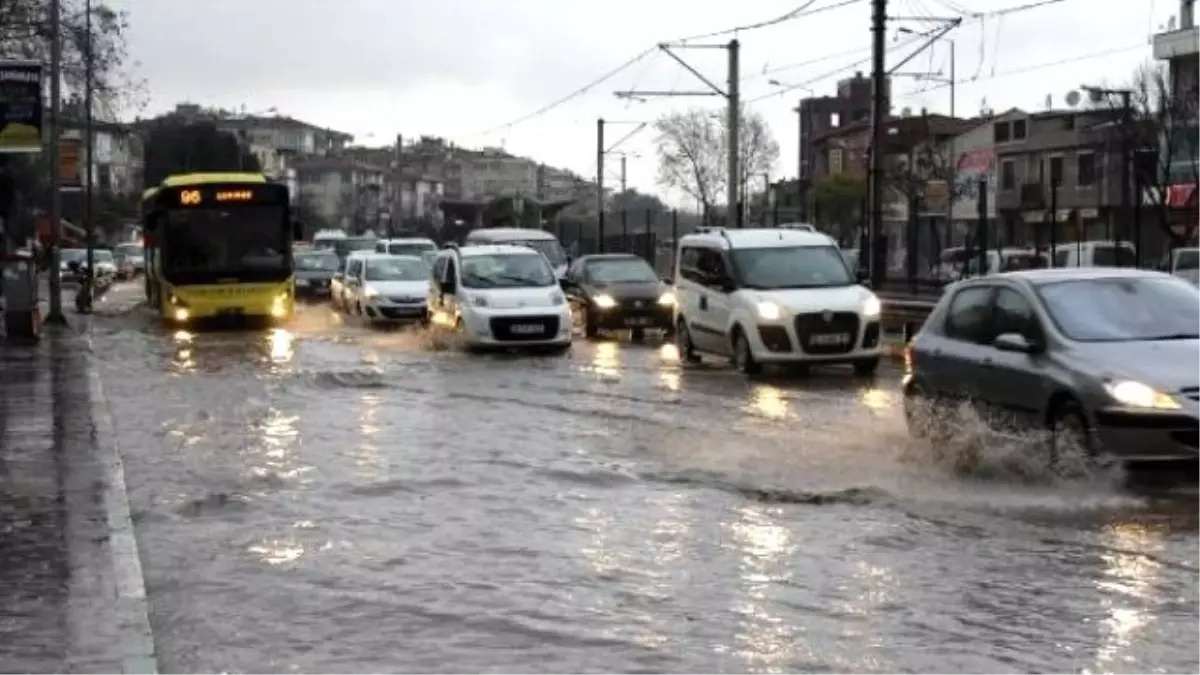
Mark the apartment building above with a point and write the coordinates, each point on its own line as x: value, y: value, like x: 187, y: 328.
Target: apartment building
x: 1179, y: 46
x: 1061, y: 166
x: 343, y: 193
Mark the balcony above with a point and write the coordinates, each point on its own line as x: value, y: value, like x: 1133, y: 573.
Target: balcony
x: 1033, y: 196
x: 1177, y: 43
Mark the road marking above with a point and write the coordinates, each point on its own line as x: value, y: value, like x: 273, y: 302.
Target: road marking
x: 133, y: 625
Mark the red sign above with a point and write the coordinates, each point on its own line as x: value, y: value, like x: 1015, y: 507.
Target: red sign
x: 1181, y: 195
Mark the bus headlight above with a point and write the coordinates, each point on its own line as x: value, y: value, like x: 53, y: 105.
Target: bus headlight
x: 279, y: 306
x: 182, y: 314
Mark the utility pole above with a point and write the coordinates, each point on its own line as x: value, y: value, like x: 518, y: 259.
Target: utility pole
x: 55, y: 315
x: 732, y: 94
x: 624, y: 183
x: 600, y: 184
x: 89, y: 140
x: 733, y: 131
x: 878, y: 140
x: 1128, y: 152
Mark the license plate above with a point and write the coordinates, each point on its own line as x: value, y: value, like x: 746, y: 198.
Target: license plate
x: 302, y: 283
x: 526, y: 329
x: 639, y: 321
x: 829, y: 339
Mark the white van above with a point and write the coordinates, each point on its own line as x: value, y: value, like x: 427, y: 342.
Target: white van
x: 414, y: 246
x: 772, y: 296
x: 539, y: 240
x: 500, y: 295
x: 1095, y: 253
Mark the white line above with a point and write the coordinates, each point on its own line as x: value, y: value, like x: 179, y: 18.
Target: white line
x: 137, y: 644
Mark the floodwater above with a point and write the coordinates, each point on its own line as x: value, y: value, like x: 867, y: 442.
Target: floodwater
x: 331, y: 498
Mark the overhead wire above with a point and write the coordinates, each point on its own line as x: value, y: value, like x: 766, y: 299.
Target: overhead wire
x: 833, y: 73
x: 799, y: 12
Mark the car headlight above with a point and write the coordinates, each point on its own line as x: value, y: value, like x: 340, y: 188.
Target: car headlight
x: 769, y: 311
x: 1138, y: 395
x: 667, y: 299
x: 371, y: 293
x: 604, y: 301
x: 872, y: 306
x: 557, y: 299
x: 479, y: 300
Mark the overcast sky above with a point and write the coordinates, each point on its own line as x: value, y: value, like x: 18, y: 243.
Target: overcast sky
x: 462, y: 69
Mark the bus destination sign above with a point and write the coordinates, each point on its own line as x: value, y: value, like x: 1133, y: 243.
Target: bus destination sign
x: 200, y: 197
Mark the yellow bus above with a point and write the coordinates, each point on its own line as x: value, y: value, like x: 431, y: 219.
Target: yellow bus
x: 219, y: 245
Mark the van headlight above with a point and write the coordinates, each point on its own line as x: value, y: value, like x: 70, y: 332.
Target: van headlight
x: 1139, y: 395
x: 371, y: 293
x: 769, y: 311
x: 872, y: 306
x: 667, y: 299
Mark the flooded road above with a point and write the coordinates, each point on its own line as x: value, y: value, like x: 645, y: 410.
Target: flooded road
x: 335, y: 499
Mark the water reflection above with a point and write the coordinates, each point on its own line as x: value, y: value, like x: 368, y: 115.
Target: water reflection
x: 366, y: 452
x: 184, y: 360
x: 878, y: 400
x: 669, y: 353
x: 282, y: 345
x: 766, y: 642
x: 278, y: 551
x: 278, y: 436
x: 607, y: 361
x: 1128, y: 577
x: 768, y: 401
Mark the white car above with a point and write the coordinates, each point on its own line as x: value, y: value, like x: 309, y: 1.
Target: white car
x: 387, y: 288
x: 772, y: 296
x: 339, y: 290
x: 417, y: 246
x: 500, y: 296
x: 539, y: 240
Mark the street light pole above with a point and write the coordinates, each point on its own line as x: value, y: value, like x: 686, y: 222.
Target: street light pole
x: 55, y: 315
x: 89, y: 135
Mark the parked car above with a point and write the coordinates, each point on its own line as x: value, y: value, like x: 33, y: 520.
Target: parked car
x: 1105, y: 358
x: 314, y: 273
x: 1185, y: 264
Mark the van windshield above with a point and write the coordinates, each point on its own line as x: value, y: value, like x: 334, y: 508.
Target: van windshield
x: 506, y: 271
x: 791, y: 267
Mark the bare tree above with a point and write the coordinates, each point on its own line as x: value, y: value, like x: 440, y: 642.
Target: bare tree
x: 1163, y: 135
x: 692, y: 152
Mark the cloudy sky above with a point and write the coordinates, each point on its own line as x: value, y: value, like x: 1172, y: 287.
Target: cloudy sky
x: 465, y: 69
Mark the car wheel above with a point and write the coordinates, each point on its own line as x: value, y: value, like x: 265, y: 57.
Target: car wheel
x: 866, y: 367
x: 743, y: 356
x: 683, y: 342
x: 1071, y: 443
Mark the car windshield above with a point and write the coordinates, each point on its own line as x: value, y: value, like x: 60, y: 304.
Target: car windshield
x: 102, y: 256
x: 395, y: 269
x: 345, y: 247
x: 1022, y: 261
x: 131, y: 250
x: 1187, y: 259
x: 317, y: 262
x: 72, y: 255
x: 619, y: 271
x: 791, y: 267
x: 1123, y: 309
x: 410, y: 249
x: 512, y: 270
x: 428, y: 257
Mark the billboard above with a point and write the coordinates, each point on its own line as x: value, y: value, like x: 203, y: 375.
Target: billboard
x: 70, y: 161
x: 21, y: 106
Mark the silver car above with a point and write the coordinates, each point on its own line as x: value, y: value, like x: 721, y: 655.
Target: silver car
x: 1107, y: 359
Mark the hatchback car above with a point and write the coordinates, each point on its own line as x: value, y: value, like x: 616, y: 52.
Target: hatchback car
x: 619, y: 291
x: 1105, y: 359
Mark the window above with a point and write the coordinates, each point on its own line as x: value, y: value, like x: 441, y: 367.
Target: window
x: 1062, y: 258
x: 507, y: 270
x: 354, y: 269
x: 1001, y: 133
x: 439, y: 270
x: 620, y: 271
x: 791, y: 267
x: 1056, y: 171
x: 1068, y: 122
x: 712, y: 266
x: 970, y: 313
x: 835, y: 161
x: 1014, y: 314
x: 1107, y: 255
x: 1085, y: 168
x: 1019, y: 130
x: 689, y: 265
x: 1008, y: 175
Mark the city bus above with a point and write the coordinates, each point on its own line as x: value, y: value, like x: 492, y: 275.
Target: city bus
x: 219, y: 245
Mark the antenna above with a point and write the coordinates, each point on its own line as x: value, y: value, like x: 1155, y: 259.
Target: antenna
x: 1072, y: 98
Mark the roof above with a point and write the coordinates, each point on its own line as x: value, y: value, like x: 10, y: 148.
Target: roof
x: 1050, y: 275
x: 609, y: 256
x: 494, y: 249
x: 510, y: 234
x: 758, y: 238
x: 408, y: 240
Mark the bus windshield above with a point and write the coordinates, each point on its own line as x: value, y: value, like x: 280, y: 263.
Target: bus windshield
x: 217, y: 240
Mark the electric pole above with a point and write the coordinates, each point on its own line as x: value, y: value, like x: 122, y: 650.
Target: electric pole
x: 878, y: 139
x: 733, y: 131
x: 733, y: 116
x: 600, y: 184
x: 88, y: 93
x: 624, y: 183
x: 55, y: 315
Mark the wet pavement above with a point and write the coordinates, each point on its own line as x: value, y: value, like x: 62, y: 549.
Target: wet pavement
x: 335, y: 499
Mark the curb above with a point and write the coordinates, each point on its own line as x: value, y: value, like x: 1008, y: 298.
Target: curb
x: 133, y: 632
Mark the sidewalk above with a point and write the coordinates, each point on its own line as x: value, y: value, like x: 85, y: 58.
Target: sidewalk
x: 71, y: 595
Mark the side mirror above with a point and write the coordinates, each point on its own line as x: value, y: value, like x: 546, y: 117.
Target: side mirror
x: 863, y: 276
x: 1015, y: 342
x: 668, y: 281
